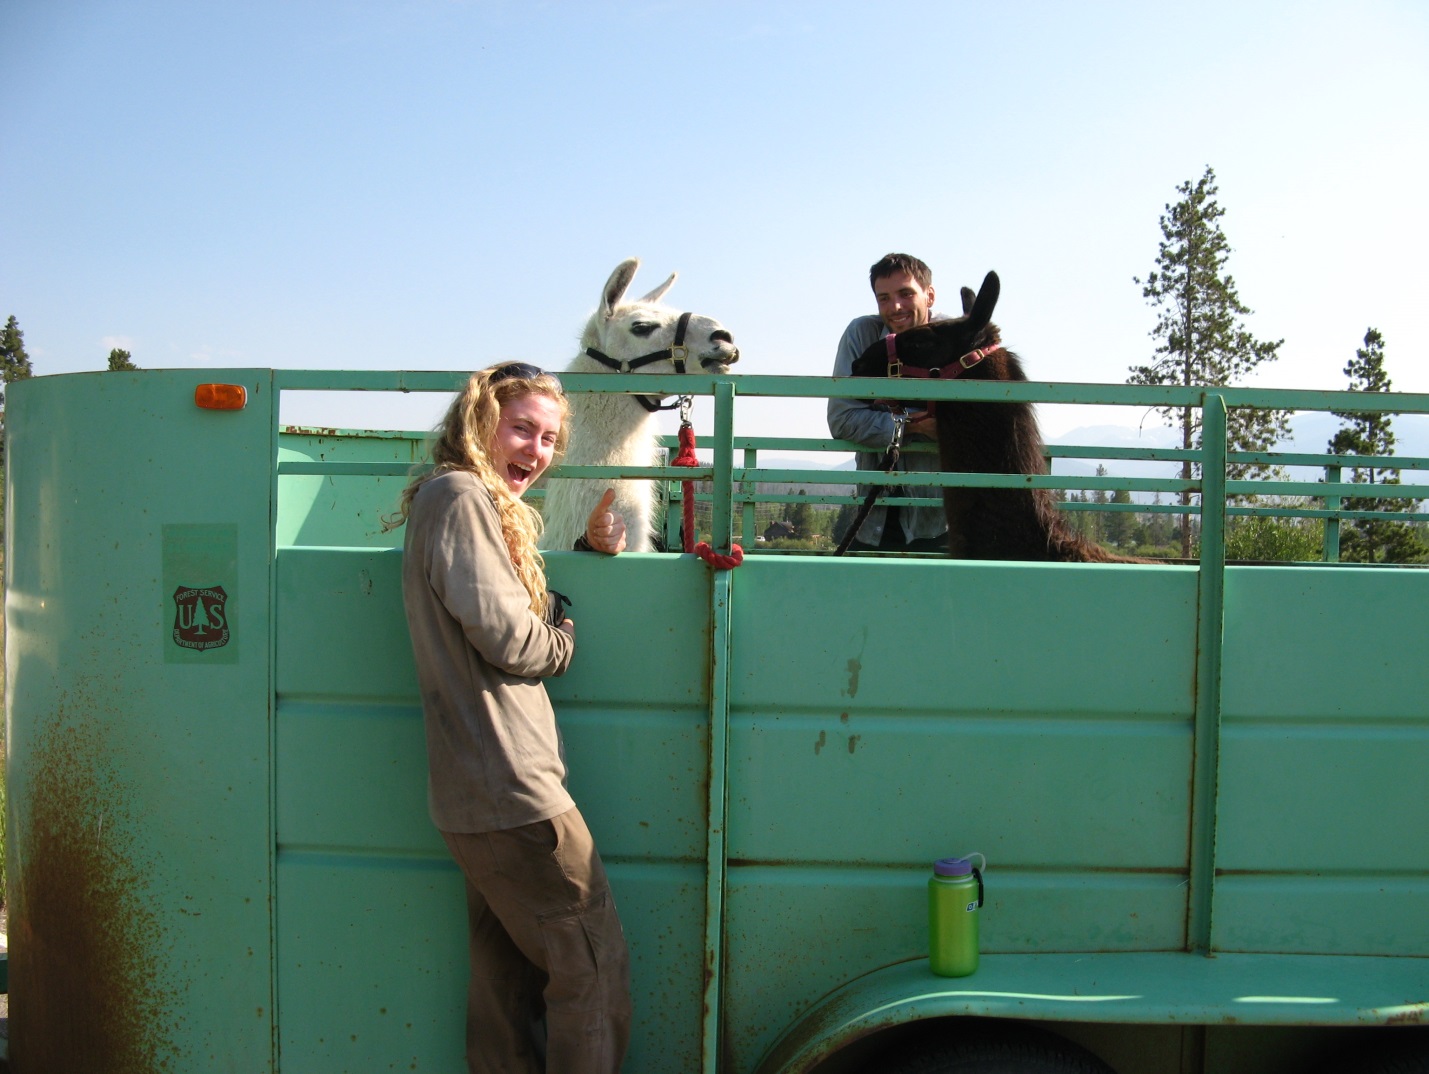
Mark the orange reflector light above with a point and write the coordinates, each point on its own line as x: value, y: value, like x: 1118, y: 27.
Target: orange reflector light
x: 221, y: 396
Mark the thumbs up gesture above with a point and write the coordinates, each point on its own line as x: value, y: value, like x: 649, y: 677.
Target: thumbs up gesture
x: 605, y: 529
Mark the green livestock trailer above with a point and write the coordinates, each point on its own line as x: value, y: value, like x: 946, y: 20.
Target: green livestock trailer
x: 1200, y: 787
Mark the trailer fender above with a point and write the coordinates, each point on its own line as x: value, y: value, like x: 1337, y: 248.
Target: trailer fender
x: 895, y: 995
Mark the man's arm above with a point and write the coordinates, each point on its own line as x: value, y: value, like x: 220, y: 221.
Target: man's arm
x: 861, y: 420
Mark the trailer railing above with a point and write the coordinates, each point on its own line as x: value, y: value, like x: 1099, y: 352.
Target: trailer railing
x: 729, y: 486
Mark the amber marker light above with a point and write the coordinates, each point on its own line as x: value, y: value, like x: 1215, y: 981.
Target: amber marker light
x: 221, y: 396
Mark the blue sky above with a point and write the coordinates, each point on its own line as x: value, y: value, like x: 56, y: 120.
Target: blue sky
x: 440, y: 185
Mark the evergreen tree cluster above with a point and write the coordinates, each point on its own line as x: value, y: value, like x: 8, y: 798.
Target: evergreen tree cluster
x: 1135, y: 533
x: 14, y: 362
x: 14, y: 365
x: 1202, y: 340
x: 1371, y: 434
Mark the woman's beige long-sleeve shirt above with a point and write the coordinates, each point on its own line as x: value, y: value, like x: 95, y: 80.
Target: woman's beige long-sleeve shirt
x: 494, y: 752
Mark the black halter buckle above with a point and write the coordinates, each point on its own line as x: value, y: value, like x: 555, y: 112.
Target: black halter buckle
x: 678, y: 353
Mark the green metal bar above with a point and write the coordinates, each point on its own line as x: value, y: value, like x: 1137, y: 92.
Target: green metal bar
x: 760, y: 386
x: 1286, y: 458
x: 1317, y: 489
x: 1332, y: 525
x: 720, y: 539
x: 1330, y: 513
x: 1124, y: 508
x: 272, y: 696
x: 1072, y: 451
x: 722, y: 522
x: 799, y: 443
x: 888, y: 501
x: 1210, y: 618
x: 745, y: 475
x: 1067, y: 451
x: 674, y: 516
x: 715, y: 853
x: 294, y: 467
x: 940, y: 478
x: 746, y: 492
x: 658, y: 473
x: 367, y: 380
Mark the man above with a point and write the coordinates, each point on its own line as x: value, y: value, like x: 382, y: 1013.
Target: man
x: 903, y: 288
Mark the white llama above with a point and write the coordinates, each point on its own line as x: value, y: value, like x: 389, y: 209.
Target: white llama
x: 620, y: 430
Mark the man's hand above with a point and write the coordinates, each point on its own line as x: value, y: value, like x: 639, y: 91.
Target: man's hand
x: 605, y: 529
x: 924, y: 423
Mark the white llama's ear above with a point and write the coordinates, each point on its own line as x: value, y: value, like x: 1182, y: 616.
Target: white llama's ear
x: 616, y: 285
x: 659, y: 292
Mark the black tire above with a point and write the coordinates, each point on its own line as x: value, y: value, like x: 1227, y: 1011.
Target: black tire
x: 990, y: 1050
x: 1381, y: 1056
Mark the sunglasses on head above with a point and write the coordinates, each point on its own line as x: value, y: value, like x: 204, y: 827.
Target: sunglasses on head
x: 523, y: 370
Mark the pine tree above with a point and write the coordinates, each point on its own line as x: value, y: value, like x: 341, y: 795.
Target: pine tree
x: 1374, y: 540
x: 1202, y: 338
x: 120, y: 359
x: 1120, y: 524
x: 1158, y: 525
x: 801, y: 516
x: 14, y: 365
x: 14, y: 362
x: 1097, y: 520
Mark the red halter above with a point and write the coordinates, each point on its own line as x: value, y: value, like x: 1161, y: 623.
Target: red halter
x: 896, y: 368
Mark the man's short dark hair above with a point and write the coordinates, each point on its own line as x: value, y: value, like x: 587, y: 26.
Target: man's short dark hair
x: 888, y: 264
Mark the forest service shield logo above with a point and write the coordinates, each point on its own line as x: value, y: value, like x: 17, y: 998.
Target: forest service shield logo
x: 201, y: 617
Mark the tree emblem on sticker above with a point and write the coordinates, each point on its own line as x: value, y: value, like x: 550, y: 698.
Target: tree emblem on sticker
x: 201, y: 617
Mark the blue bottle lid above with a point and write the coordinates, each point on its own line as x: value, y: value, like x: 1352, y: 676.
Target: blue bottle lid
x: 953, y: 867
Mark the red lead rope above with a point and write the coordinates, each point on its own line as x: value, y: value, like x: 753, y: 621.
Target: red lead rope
x: 687, y: 457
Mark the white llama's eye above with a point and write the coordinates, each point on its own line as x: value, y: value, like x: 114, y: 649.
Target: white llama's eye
x: 643, y: 328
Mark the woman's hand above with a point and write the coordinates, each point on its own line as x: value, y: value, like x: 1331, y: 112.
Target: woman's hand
x: 605, y: 529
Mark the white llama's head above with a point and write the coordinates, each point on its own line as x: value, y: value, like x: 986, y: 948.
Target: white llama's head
x: 647, y: 336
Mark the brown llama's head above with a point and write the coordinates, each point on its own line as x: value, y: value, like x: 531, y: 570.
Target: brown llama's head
x: 940, y: 347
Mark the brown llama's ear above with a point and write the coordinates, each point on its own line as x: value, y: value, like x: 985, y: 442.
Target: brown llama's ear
x: 968, y: 296
x: 985, y: 302
x: 616, y: 286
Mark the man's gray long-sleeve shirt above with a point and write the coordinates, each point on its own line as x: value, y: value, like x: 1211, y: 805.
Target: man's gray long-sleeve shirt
x: 861, y: 421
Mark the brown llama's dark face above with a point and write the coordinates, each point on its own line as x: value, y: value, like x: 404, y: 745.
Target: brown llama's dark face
x: 938, y: 345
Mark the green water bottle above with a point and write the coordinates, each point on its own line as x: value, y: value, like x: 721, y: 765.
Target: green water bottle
x: 954, y: 895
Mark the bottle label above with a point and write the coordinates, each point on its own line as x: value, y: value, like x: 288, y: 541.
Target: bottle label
x: 971, y: 906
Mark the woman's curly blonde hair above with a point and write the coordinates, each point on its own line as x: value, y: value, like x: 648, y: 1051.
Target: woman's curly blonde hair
x: 463, y: 442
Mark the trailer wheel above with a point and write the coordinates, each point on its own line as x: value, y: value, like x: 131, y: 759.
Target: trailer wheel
x: 991, y: 1050
x: 1398, y: 1057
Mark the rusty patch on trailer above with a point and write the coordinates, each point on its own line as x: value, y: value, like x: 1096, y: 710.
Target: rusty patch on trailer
x: 85, y: 959
x: 855, y: 668
x: 1413, y: 1017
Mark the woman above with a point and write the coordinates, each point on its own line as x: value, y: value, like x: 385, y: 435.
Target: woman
x: 541, y: 916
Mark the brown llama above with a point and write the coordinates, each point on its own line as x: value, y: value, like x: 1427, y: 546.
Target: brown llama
x: 984, y: 438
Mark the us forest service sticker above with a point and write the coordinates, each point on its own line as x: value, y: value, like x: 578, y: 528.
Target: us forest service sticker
x: 201, y: 617
x: 198, y: 603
